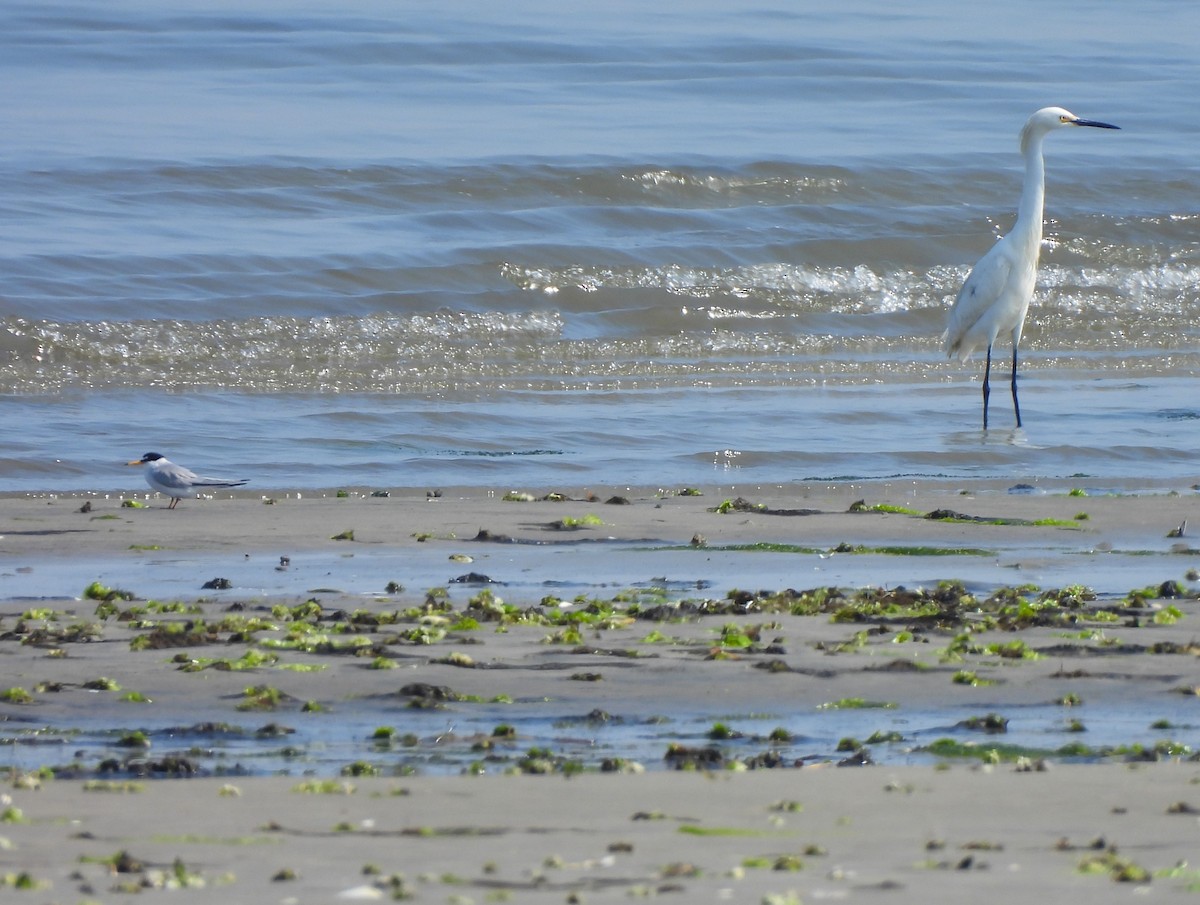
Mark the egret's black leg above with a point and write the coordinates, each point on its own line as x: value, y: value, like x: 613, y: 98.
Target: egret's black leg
x: 987, y: 391
x: 1016, y: 405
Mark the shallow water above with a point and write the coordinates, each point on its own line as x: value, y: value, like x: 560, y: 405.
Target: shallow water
x: 468, y: 246
x: 446, y: 741
x: 528, y: 573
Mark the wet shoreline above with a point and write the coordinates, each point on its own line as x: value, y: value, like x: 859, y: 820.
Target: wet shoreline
x: 733, y: 672
x: 458, y: 631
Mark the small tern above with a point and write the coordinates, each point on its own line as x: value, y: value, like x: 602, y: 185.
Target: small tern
x: 165, y: 477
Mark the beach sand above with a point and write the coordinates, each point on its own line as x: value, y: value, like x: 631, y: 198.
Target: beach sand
x: 1078, y: 834
x: 654, y: 658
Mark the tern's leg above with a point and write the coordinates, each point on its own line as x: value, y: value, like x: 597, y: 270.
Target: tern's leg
x: 174, y: 502
x: 1016, y: 405
x: 987, y: 391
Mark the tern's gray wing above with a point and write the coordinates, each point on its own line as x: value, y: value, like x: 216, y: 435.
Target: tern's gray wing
x: 207, y: 481
x: 176, y: 477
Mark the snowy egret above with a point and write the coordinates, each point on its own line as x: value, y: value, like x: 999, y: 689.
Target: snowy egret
x: 175, y: 481
x: 995, y: 297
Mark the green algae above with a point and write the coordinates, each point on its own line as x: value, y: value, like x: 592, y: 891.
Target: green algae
x: 576, y: 522
x: 889, y: 509
x: 758, y: 547
x: 843, y: 548
x: 324, y: 787
x: 114, y: 786
x: 260, y: 697
x: 690, y: 829
x: 1008, y: 753
x: 856, y: 704
x: 98, y: 591
x: 919, y: 550
x: 200, y: 839
x: 1115, y: 866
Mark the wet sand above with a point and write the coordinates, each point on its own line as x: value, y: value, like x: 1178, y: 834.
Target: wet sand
x: 1082, y: 834
x: 671, y: 662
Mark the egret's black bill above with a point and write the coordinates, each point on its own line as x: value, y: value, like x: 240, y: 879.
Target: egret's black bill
x: 1094, y: 124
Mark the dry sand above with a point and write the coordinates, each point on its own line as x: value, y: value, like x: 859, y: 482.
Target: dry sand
x: 1018, y: 822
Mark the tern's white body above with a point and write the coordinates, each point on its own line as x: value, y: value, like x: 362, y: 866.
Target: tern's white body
x: 995, y: 297
x: 175, y: 481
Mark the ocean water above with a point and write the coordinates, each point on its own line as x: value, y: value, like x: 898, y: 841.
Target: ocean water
x: 388, y: 243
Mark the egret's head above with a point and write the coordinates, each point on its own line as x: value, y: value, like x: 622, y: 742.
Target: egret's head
x: 1050, y: 118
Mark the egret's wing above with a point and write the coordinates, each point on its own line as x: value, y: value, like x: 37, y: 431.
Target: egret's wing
x: 982, y: 289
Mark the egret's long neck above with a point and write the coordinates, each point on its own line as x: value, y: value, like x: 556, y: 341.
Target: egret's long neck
x: 1033, y: 195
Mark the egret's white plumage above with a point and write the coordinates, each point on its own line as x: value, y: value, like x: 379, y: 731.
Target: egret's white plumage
x: 995, y: 297
x: 175, y: 481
